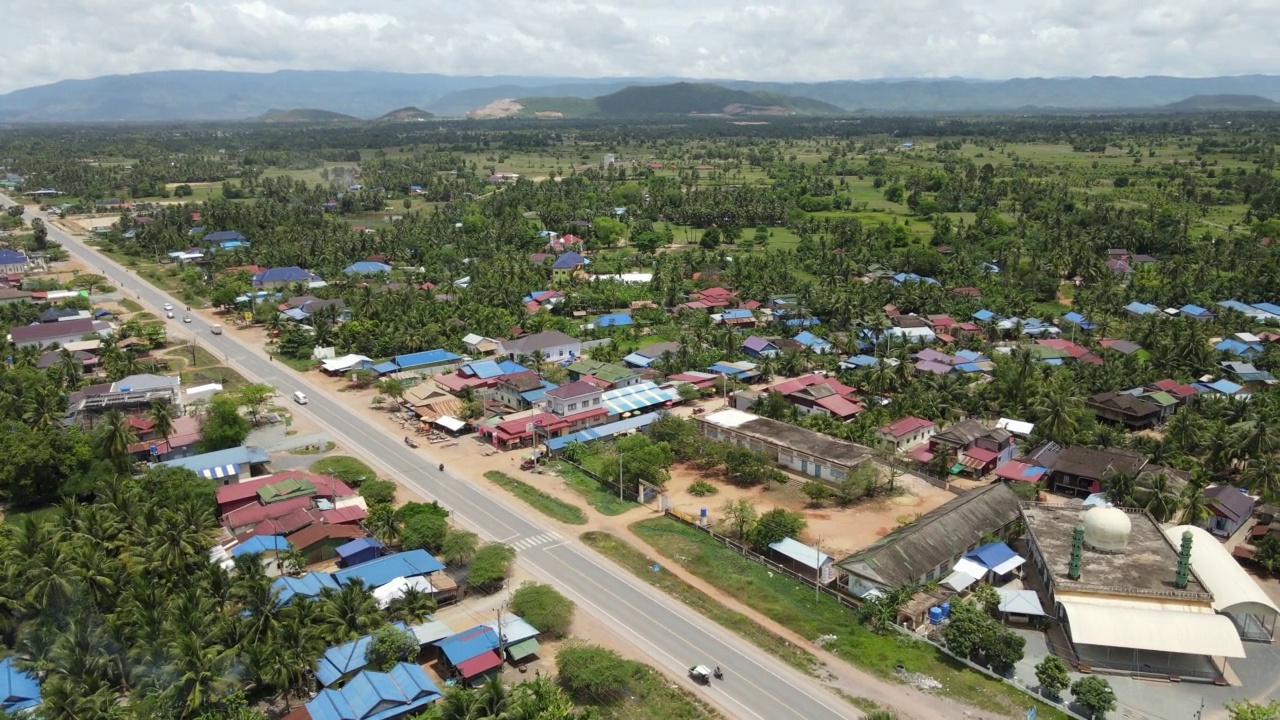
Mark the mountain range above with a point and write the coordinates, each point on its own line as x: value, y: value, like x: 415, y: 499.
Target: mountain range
x: 674, y: 99
x: 215, y: 95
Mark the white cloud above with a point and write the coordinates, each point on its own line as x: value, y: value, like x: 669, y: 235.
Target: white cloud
x: 760, y: 40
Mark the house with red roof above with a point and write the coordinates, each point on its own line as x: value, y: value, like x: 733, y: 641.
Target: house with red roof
x: 1076, y: 352
x: 816, y: 394
x: 540, y: 427
x: 907, y: 432
x: 279, y: 487
x: 180, y: 442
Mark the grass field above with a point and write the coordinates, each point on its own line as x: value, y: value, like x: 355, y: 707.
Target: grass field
x: 604, y: 500
x: 200, y: 358
x: 552, y: 507
x: 786, y: 601
x: 226, y: 377
x: 641, y: 566
x: 347, y: 469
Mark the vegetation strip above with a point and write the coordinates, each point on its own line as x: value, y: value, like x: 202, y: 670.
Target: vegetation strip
x: 604, y: 500
x: 641, y: 566
x: 552, y: 507
x: 781, y: 599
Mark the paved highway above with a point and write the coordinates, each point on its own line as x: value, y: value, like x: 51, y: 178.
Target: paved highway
x: 674, y: 637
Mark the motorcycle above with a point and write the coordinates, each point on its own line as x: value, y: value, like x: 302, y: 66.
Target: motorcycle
x: 411, y: 443
x: 441, y: 467
x: 718, y: 675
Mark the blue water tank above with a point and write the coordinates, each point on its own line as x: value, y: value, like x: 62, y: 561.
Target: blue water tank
x: 935, y: 616
x: 704, y: 513
x: 946, y: 611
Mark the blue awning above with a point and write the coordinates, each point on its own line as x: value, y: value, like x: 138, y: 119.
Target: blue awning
x: 386, y: 368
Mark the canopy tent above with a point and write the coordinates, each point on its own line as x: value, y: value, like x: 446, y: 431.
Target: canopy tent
x: 965, y: 573
x: 996, y: 557
x: 1153, y: 626
x: 450, y: 423
x: 397, y: 588
x: 1020, y: 602
x: 523, y: 649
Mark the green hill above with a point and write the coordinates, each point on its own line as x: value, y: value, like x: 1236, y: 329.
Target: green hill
x: 407, y: 114
x: 304, y: 115
x: 678, y: 99
x: 1223, y: 102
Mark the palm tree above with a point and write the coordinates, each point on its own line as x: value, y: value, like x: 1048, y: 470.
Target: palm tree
x: 162, y: 415
x: 412, y: 607
x: 201, y: 673
x: 1195, y: 508
x: 349, y: 612
x: 1263, y: 477
x: 1058, y: 411
x: 115, y: 437
x: 1158, y: 497
x: 1121, y: 488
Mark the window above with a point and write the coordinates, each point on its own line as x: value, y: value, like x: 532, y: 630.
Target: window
x: 572, y: 407
x: 596, y: 401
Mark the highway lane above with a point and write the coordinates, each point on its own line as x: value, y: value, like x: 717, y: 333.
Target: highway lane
x: 673, y: 636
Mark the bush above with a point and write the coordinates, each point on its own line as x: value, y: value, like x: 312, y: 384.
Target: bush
x: 491, y: 565
x: 592, y: 674
x: 378, y: 491
x: 388, y: 646
x: 702, y: 488
x: 544, y: 608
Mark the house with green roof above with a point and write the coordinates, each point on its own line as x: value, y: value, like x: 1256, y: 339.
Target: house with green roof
x: 285, y: 490
x: 609, y: 375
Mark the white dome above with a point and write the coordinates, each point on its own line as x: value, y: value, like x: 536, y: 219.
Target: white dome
x: 1107, y: 529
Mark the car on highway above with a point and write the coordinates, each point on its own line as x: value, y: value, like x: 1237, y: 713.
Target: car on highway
x: 169, y: 314
x: 186, y: 318
x: 168, y: 306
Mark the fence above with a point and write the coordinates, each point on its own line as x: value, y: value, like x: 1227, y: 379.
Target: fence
x: 852, y: 603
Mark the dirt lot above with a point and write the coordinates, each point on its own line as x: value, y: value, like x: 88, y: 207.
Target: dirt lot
x: 842, y: 530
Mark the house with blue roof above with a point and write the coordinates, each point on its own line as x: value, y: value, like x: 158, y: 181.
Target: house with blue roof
x: 735, y: 316
x: 759, y: 347
x: 374, y: 695
x: 1238, y: 348
x: 367, y: 267
x: 223, y: 466
x: 20, y: 690
x: 13, y: 261
x: 802, y: 322
x: 482, y: 369
x: 566, y: 265
x: 1247, y: 310
x: 1221, y: 387
x: 269, y: 546
x: 1195, y: 312
x: 383, y: 570
x: 858, y: 362
x: 1138, y: 309
x: 342, y: 661
x: 904, y: 278
x: 812, y: 342
x: 613, y: 320
x: 426, y: 359
x: 1248, y: 375
x: 473, y: 652
x: 1075, y: 318
x: 282, y: 276
x: 222, y: 236
x: 358, y: 551
x: 985, y: 315
x: 307, y: 586
x: 1271, y: 309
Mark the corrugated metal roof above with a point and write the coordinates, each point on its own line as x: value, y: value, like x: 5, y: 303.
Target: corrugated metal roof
x: 801, y: 553
x: 1158, y: 626
x: 468, y: 644
x: 387, y: 568
x: 1234, y: 590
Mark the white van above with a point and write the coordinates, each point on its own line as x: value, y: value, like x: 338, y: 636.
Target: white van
x: 300, y: 397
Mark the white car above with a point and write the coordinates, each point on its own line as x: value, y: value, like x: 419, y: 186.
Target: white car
x: 186, y: 318
x: 168, y: 306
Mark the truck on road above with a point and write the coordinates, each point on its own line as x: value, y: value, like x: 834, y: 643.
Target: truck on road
x: 216, y: 329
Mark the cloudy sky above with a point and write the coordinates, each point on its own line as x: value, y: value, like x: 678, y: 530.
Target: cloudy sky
x: 804, y: 40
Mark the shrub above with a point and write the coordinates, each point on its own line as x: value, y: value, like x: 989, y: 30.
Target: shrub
x: 702, y: 488
x: 544, y: 608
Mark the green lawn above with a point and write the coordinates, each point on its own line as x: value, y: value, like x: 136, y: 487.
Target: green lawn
x: 793, y: 605
x: 130, y: 305
x: 597, y: 496
x: 552, y: 507
x: 201, y: 358
x: 345, y: 468
x: 226, y: 377
x: 641, y: 566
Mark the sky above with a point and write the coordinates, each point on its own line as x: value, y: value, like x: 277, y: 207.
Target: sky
x: 784, y: 40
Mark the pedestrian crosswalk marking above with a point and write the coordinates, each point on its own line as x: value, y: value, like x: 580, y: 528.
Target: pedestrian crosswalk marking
x: 536, y: 540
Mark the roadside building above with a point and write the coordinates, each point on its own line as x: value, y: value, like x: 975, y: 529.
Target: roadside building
x: 551, y: 345
x: 57, y: 333
x: 793, y: 448
x: 1127, y: 594
x: 1229, y: 508
x: 224, y: 466
x: 1079, y: 471
x: 907, y: 432
x: 928, y: 549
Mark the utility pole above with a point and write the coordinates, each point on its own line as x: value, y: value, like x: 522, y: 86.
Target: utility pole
x: 817, y: 570
x: 620, y: 498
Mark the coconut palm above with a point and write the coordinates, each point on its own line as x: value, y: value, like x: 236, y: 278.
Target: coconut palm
x: 115, y: 435
x: 1121, y: 488
x: 1195, y: 507
x: 1157, y: 496
x: 412, y: 607
x: 162, y: 415
x: 349, y: 612
x: 201, y: 672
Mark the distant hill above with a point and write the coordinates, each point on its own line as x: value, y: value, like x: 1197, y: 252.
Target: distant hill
x: 674, y: 99
x: 407, y: 114
x: 304, y: 115
x: 205, y: 95
x: 1223, y: 102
